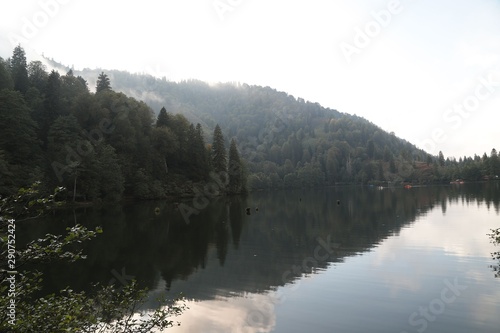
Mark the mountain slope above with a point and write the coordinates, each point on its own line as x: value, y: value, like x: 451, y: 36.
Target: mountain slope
x: 286, y: 141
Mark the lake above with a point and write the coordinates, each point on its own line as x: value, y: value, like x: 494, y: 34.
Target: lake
x: 343, y: 259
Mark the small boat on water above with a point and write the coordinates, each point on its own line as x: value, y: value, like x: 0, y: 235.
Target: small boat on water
x: 457, y: 181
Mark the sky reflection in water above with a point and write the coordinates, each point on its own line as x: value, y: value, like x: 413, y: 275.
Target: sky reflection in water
x: 382, y: 289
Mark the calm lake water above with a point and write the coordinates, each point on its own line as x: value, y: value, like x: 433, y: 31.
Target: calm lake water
x: 347, y: 259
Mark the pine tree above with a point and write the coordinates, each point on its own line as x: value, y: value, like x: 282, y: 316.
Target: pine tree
x: 235, y: 170
x: 441, y: 158
x: 201, y: 149
x: 19, y: 70
x: 53, y: 95
x: 103, y: 83
x: 494, y: 163
x: 182, y: 156
x: 51, y: 106
x: 199, y: 166
x: 219, y: 157
x: 163, y: 119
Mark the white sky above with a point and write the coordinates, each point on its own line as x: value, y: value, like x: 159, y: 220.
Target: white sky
x: 421, y: 60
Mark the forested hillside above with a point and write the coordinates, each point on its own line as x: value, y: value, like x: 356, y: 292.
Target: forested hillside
x: 288, y: 142
x: 101, y: 145
x: 81, y: 130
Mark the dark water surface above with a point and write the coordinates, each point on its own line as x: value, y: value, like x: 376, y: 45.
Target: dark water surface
x: 348, y: 259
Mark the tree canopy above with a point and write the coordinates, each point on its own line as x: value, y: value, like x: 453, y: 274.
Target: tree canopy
x: 101, y: 146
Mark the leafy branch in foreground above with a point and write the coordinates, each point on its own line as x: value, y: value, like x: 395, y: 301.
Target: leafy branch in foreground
x: 106, y: 309
x: 495, y: 239
x: 52, y: 247
x: 27, y: 204
x: 110, y: 310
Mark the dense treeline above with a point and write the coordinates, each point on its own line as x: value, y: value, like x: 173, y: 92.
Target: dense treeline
x: 289, y: 142
x: 101, y: 145
x: 106, y: 144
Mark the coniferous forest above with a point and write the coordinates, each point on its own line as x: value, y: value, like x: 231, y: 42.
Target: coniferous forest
x: 141, y: 137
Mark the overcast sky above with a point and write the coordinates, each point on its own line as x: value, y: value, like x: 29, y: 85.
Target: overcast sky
x: 425, y: 69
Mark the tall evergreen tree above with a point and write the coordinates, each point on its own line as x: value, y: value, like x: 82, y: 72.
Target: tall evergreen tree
x: 199, y: 165
x: 182, y: 156
x: 219, y: 157
x: 163, y: 119
x: 441, y: 158
x: 235, y: 170
x: 19, y: 69
x: 51, y: 106
x: 494, y: 163
x: 103, y: 83
x: 53, y: 95
x: 200, y: 146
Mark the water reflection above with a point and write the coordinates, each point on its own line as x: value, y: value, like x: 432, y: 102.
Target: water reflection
x: 250, y: 313
x: 388, y: 252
